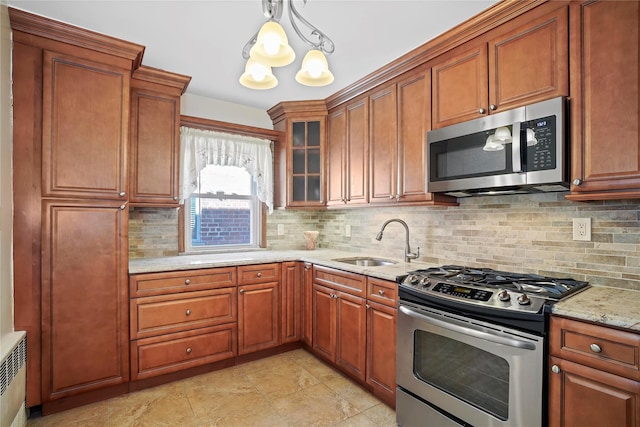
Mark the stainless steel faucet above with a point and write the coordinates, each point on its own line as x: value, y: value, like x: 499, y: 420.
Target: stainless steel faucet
x: 408, y: 255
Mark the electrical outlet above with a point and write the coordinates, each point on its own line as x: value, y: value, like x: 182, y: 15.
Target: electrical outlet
x: 280, y: 229
x: 582, y: 229
x: 347, y: 230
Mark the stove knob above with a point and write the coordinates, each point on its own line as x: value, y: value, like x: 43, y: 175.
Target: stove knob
x: 523, y: 299
x: 503, y: 295
x: 412, y: 280
x: 424, y: 282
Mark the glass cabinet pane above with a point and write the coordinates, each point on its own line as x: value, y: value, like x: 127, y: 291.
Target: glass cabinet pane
x: 313, y: 134
x: 313, y: 160
x: 298, y: 189
x: 313, y: 188
x: 299, y: 134
x: 298, y: 162
x: 306, y: 162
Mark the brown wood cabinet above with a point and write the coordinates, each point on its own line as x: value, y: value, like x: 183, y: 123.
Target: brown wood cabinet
x: 336, y: 156
x: 181, y: 319
x: 155, y: 136
x: 307, y: 295
x: 605, y: 100
x: 339, y: 319
x: 382, y: 297
x: 291, y: 303
x: 594, y: 377
x: 299, y: 179
x: 258, y: 307
x: 84, y: 297
x: 522, y: 61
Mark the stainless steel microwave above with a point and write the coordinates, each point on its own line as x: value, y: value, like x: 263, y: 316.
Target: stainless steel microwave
x: 516, y: 151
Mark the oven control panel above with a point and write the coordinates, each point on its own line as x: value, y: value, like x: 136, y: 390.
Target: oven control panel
x: 462, y: 291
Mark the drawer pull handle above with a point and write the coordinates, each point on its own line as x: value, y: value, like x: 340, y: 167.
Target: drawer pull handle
x: 555, y: 369
x: 188, y: 350
x: 381, y: 292
x: 188, y: 312
x: 259, y: 274
x: 186, y: 282
x: 595, y: 348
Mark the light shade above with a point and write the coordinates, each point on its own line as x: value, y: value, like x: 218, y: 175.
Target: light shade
x: 272, y: 46
x: 491, y: 144
x: 257, y: 76
x: 314, y: 70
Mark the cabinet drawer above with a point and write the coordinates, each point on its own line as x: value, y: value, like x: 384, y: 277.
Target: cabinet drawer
x: 175, y: 352
x: 382, y: 291
x: 260, y: 273
x: 180, y: 312
x: 142, y: 285
x: 600, y: 347
x: 354, y: 284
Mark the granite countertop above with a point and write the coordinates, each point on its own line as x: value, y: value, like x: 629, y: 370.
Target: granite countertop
x: 608, y: 306
x: 319, y: 256
x: 604, y: 305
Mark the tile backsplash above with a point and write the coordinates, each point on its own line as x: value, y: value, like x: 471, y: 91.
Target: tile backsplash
x: 524, y: 233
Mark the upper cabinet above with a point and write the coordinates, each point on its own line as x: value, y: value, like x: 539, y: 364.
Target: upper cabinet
x: 522, y: 61
x: 605, y: 134
x: 299, y: 158
x: 155, y: 136
x: 85, y: 116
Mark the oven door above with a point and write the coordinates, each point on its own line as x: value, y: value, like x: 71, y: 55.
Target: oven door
x: 476, y: 372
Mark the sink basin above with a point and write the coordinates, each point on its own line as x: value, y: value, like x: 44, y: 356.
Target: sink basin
x: 366, y: 261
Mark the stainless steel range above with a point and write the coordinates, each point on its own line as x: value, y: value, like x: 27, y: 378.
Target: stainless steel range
x: 471, y: 346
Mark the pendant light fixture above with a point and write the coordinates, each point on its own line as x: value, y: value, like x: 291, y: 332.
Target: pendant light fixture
x: 269, y: 47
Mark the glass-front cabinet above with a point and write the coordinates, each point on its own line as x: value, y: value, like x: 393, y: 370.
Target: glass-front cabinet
x: 299, y: 159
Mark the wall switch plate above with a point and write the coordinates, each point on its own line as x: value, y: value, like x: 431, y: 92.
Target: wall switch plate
x: 582, y: 229
x: 347, y: 230
x: 280, y: 229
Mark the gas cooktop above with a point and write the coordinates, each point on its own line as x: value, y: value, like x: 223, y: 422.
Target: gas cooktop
x: 494, y: 289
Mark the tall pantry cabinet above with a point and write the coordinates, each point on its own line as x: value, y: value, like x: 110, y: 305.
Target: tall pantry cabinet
x: 71, y: 124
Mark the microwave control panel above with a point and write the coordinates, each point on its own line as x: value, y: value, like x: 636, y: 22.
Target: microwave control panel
x: 541, y: 146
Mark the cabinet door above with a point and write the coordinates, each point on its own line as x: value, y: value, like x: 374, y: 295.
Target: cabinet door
x: 324, y: 322
x: 357, y: 175
x: 84, y: 297
x: 351, y: 334
x: 307, y: 283
x: 530, y: 62
x: 580, y: 396
x: 383, y: 146
x: 605, y: 132
x: 414, y: 118
x: 336, y: 157
x: 85, y: 120
x: 460, y: 87
x: 257, y: 317
x: 306, y: 162
x: 155, y: 150
x: 381, y: 350
x: 291, y: 303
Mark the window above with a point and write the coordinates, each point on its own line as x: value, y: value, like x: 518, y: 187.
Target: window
x: 224, y: 211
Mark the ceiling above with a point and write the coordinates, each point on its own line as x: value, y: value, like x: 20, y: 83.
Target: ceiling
x: 204, y: 39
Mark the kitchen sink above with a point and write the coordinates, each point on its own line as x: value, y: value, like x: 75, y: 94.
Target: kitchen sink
x: 366, y: 261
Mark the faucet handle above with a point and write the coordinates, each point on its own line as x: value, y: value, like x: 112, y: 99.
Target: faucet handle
x: 413, y: 255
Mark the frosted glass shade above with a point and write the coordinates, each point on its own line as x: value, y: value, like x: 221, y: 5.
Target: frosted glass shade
x: 314, y: 70
x: 492, y: 145
x: 272, y: 46
x: 258, y: 76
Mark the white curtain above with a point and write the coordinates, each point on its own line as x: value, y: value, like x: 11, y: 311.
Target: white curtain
x: 199, y: 148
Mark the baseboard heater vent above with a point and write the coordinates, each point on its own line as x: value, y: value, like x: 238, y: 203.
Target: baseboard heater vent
x: 12, y: 385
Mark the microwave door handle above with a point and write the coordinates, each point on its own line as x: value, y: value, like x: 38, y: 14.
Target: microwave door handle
x: 468, y: 330
x: 516, y: 149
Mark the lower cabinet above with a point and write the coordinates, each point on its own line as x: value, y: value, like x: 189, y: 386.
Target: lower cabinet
x: 307, y: 304
x: 258, y: 307
x: 594, y: 377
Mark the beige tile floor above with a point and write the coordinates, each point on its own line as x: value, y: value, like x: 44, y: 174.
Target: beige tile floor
x: 289, y: 389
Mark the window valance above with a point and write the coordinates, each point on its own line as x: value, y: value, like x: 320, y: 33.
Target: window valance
x: 200, y: 148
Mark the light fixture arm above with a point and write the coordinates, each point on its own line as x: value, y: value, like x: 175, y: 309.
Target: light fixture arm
x: 324, y: 43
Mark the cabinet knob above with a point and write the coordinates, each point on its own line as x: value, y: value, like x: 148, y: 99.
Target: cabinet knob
x: 595, y: 348
x: 241, y: 291
x: 259, y: 274
x: 493, y: 107
x: 381, y: 292
x: 367, y: 306
x: 188, y: 312
x: 122, y: 194
x: 392, y: 196
x: 187, y: 281
x: 555, y: 369
x: 188, y: 350
x: 482, y: 111
x: 123, y: 206
x: 577, y: 182
x: 175, y: 197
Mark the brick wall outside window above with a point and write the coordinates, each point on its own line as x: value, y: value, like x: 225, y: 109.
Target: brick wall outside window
x: 225, y: 227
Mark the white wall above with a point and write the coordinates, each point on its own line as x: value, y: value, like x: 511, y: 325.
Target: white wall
x: 208, y: 108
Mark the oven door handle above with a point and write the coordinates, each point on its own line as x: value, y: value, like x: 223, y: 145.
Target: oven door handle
x: 469, y: 330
